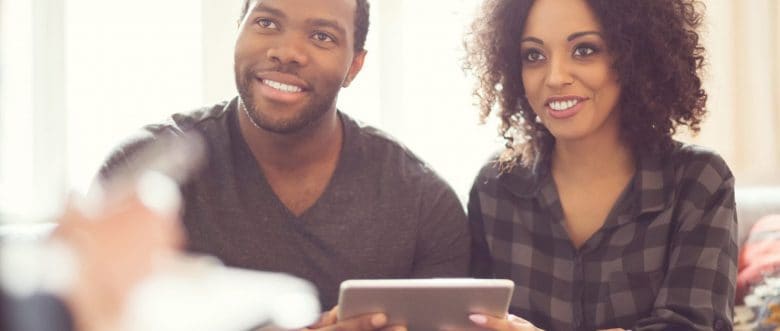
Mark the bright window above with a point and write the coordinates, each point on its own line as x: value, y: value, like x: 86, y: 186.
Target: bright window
x: 80, y: 75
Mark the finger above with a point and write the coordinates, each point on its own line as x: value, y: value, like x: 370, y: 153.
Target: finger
x: 159, y: 193
x: 394, y: 328
x: 71, y: 217
x: 511, y: 322
x: 489, y: 322
x: 327, y: 318
x: 366, y: 322
x: 513, y: 319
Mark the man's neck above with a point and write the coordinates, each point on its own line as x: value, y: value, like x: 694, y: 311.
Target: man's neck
x: 318, y: 143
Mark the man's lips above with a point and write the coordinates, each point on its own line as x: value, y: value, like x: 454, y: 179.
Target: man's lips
x: 283, y: 81
x: 280, y: 87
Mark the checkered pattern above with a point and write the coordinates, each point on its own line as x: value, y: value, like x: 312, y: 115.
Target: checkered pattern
x: 665, y: 258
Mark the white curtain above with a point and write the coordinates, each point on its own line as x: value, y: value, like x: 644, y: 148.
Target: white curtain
x: 743, y: 41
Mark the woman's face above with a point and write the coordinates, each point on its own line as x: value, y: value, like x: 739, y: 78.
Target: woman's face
x: 567, y: 73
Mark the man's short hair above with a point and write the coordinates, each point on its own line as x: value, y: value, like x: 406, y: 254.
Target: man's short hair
x: 361, y: 21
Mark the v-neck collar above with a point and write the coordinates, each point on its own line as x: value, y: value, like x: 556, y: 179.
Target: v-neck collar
x: 640, y: 196
x: 652, y: 174
x: 337, y: 191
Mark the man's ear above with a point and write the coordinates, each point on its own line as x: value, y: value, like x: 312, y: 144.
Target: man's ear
x: 354, y: 69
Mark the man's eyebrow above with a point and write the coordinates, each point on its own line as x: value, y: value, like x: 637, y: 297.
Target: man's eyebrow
x: 533, y: 40
x: 583, y: 33
x: 327, y: 23
x: 263, y: 8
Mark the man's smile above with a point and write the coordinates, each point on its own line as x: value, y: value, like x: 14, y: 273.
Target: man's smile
x: 282, y: 87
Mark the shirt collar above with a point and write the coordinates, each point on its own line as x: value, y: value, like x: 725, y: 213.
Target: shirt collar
x: 525, y: 181
x: 652, y: 182
x: 345, y: 182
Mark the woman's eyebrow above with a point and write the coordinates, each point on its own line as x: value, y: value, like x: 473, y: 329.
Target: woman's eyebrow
x: 583, y: 33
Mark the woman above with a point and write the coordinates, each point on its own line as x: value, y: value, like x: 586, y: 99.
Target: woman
x: 601, y: 219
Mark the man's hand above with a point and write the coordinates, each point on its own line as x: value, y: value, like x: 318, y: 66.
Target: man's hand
x: 115, y: 247
x: 370, y: 322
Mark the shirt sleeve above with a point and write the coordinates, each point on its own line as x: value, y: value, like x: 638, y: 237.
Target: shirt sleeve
x: 145, y: 150
x: 442, y: 246
x: 698, y: 290
x: 481, y: 265
x: 120, y: 158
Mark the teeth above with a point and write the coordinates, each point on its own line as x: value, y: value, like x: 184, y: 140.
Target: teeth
x: 563, y: 105
x: 282, y: 87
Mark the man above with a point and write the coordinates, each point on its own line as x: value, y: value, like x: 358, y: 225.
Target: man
x: 292, y: 184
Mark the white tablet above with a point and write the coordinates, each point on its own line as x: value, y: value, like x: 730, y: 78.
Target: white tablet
x: 426, y: 304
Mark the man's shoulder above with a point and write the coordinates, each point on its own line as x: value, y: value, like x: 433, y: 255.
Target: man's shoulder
x: 390, y: 161
x: 207, y: 121
x: 382, y: 148
x: 196, y: 119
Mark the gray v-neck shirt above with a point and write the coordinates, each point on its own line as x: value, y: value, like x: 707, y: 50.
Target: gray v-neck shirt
x: 384, y: 214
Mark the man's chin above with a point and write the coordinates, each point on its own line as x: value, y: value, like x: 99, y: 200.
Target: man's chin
x: 280, y: 125
x: 284, y: 128
x: 283, y: 118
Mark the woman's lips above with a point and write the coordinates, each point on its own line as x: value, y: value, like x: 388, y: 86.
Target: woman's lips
x: 564, y: 107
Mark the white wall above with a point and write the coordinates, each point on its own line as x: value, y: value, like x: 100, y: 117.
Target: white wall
x: 127, y: 64
x: 16, y: 103
x: 743, y: 83
x: 87, y: 73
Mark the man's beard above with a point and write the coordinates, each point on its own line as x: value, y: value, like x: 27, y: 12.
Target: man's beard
x: 310, y: 114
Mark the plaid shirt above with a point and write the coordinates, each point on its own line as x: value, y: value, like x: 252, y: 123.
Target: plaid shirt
x: 665, y: 258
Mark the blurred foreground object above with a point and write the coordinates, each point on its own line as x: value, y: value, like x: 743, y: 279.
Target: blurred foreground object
x: 97, y: 254
x: 198, y: 294
x: 113, y: 263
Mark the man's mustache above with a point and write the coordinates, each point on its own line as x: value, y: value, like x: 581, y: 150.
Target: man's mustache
x: 290, y: 69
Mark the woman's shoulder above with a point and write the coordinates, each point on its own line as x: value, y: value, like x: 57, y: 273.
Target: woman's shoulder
x: 497, y: 175
x: 693, y: 160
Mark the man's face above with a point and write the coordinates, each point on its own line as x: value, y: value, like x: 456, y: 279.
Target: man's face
x: 291, y: 59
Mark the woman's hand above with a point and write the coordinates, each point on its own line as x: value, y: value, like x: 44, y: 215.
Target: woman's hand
x: 510, y: 323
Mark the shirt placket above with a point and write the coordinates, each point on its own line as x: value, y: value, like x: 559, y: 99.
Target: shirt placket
x: 577, y: 291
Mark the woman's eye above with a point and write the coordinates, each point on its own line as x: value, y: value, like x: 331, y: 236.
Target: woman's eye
x: 323, y: 37
x: 533, y: 56
x: 583, y: 51
x: 266, y: 23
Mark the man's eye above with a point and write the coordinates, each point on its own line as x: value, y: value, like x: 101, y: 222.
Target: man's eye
x: 266, y: 23
x: 323, y: 37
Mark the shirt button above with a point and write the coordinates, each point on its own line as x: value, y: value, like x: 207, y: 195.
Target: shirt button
x: 719, y: 324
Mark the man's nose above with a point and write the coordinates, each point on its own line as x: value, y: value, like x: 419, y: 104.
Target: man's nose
x: 288, y: 52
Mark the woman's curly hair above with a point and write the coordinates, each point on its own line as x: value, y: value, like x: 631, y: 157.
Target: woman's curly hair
x: 657, y: 57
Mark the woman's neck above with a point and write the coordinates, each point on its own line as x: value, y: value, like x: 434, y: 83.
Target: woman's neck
x: 594, y: 157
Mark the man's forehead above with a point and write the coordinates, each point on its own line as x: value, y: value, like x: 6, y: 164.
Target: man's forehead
x: 336, y: 9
